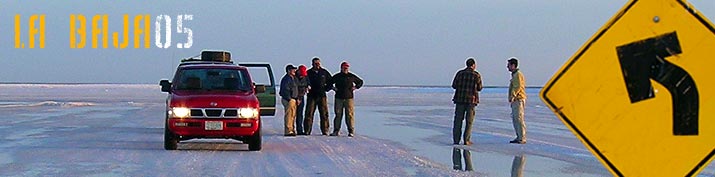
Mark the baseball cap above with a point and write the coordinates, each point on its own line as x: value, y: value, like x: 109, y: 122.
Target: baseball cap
x: 290, y: 66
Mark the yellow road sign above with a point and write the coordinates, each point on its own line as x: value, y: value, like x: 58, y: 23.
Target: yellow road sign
x: 640, y: 94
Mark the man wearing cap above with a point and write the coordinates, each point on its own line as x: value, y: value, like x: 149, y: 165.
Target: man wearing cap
x: 289, y: 99
x: 318, y: 79
x: 345, y: 83
x: 301, y: 81
x: 467, y: 84
x: 517, y: 98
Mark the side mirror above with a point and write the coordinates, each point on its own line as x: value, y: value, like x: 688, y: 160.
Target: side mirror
x: 260, y: 88
x: 165, y: 85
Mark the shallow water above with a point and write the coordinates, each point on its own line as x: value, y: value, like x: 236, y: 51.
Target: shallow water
x: 400, y: 131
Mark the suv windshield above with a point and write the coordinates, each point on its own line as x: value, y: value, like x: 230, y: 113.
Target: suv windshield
x: 213, y: 79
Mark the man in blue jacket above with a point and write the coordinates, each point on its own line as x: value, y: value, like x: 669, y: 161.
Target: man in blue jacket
x: 289, y: 99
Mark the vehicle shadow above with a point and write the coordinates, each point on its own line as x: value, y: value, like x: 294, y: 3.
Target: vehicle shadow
x: 216, y: 145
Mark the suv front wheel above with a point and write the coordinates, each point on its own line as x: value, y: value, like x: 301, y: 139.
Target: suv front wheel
x: 254, y: 142
x: 170, y: 139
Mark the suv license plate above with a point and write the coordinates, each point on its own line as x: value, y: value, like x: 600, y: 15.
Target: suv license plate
x: 213, y: 125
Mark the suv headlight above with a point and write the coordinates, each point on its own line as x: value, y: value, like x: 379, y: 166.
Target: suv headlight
x: 247, y: 113
x: 180, y: 112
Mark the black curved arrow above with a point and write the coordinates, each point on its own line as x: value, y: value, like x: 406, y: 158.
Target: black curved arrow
x: 644, y: 60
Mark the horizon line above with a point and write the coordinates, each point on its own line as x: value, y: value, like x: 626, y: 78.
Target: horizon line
x: 117, y: 83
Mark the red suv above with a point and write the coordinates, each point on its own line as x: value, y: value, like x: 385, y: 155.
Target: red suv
x: 212, y: 97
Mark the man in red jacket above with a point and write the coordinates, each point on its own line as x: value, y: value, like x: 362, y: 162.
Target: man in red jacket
x: 345, y: 83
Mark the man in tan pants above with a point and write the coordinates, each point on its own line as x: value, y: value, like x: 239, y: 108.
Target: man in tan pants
x: 345, y: 83
x: 289, y: 99
x: 517, y: 98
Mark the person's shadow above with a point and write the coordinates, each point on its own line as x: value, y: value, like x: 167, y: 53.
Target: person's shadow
x: 457, y: 155
x: 517, y: 165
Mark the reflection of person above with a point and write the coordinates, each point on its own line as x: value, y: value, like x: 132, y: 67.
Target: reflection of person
x: 517, y: 98
x: 517, y: 166
x: 289, y: 95
x: 318, y: 79
x: 467, y: 84
x: 301, y: 81
x: 345, y: 83
x: 457, y: 155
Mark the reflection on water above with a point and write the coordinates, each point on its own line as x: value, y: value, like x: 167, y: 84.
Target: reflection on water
x: 457, y: 155
x: 517, y: 166
x: 462, y: 160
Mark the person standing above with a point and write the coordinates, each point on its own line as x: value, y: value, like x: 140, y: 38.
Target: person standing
x: 467, y: 84
x: 318, y: 79
x: 517, y: 98
x: 302, y: 86
x: 289, y: 99
x: 345, y: 83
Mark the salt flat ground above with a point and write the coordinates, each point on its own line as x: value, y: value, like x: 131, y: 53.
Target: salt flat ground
x: 117, y: 130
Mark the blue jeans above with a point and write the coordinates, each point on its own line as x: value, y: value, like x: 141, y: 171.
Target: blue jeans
x: 299, y: 116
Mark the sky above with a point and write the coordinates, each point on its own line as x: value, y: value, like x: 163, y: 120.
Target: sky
x: 387, y: 42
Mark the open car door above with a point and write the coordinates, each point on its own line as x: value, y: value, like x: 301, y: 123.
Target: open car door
x: 262, y: 75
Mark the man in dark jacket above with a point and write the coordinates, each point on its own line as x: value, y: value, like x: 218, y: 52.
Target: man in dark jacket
x: 289, y: 99
x: 345, y: 83
x: 318, y: 79
x: 467, y: 84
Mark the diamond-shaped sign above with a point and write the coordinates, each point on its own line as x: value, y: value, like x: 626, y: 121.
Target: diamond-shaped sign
x: 640, y: 94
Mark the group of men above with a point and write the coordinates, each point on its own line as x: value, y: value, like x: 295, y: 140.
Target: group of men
x: 315, y: 83
x: 467, y: 84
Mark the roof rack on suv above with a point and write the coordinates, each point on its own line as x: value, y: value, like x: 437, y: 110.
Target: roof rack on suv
x: 209, y: 56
